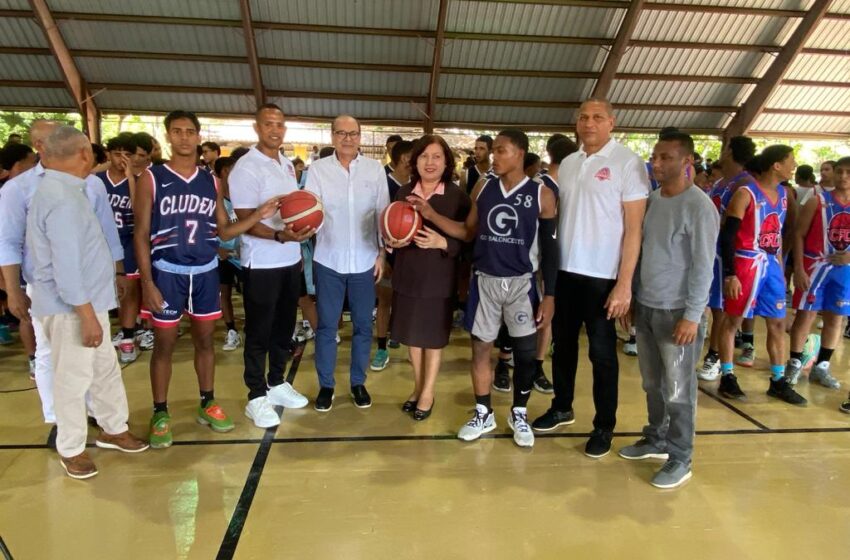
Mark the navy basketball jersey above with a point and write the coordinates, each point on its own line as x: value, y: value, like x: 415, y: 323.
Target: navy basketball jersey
x: 122, y: 206
x: 473, y: 176
x: 548, y: 181
x: 506, y: 240
x: 183, y: 225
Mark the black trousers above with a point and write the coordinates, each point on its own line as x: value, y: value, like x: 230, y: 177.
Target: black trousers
x: 271, y: 303
x: 580, y: 300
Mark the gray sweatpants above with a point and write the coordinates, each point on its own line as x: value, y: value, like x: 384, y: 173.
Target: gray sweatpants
x: 669, y: 379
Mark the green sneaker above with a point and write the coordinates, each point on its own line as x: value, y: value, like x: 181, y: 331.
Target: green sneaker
x: 380, y: 361
x: 160, y: 434
x: 214, y: 417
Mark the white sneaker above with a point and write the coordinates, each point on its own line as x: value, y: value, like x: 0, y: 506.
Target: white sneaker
x: 709, y: 370
x: 232, y: 341
x: 518, y: 422
x: 32, y: 370
x: 630, y: 349
x: 286, y: 396
x: 116, y: 340
x: 261, y: 412
x: 338, y: 339
x: 146, y: 340
x: 480, y: 423
x: 127, y: 351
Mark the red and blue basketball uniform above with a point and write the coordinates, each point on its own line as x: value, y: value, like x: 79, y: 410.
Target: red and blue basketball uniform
x: 829, y: 288
x: 720, y: 194
x: 184, y: 245
x: 121, y: 202
x: 758, y: 250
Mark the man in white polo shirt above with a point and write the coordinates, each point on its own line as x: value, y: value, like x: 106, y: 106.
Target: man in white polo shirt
x: 349, y: 257
x: 271, y: 260
x: 604, y: 187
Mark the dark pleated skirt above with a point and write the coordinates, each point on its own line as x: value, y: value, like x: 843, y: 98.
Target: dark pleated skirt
x: 421, y: 322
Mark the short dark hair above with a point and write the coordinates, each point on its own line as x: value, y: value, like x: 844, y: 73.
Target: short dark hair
x: 326, y: 151
x: 529, y: 160
x: 830, y: 163
x: 296, y: 160
x: 420, y: 146
x: 560, y: 149
x: 265, y: 106
x: 399, y: 149
x: 180, y: 114
x: 238, y: 153
x: 805, y: 173
x: 12, y: 154
x: 517, y: 137
x: 487, y: 139
x: 221, y: 164
x: 683, y: 140
x: 554, y: 138
x: 742, y: 148
x: 667, y: 130
x: 769, y: 156
x: 716, y: 165
x: 144, y: 141
x: 393, y: 138
x: 212, y: 146
x: 122, y: 142
x: 842, y: 162
x: 99, y: 153
x: 15, y: 135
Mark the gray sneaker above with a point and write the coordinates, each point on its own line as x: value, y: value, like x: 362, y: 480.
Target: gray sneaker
x: 793, y: 370
x: 672, y: 475
x: 643, y: 449
x: 820, y: 373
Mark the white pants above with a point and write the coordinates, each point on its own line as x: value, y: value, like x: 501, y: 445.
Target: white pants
x: 81, y: 371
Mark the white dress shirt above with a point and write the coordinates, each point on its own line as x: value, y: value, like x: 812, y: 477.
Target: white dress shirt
x: 254, y: 179
x: 349, y: 242
x: 593, y: 190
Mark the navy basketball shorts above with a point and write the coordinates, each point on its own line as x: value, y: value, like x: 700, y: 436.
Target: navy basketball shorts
x: 198, y: 295
x: 131, y: 267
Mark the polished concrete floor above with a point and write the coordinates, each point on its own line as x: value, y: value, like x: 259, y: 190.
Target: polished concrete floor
x: 770, y: 480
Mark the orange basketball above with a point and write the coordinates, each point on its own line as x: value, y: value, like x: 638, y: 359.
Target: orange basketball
x: 400, y: 222
x: 301, y: 209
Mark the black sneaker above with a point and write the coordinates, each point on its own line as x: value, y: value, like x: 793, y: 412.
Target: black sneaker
x: 782, y: 390
x: 729, y: 387
x: 502, y: 377
x: 51, y: 437
x: 845, y: 406
x: 361, y: 396
x: 552, y: 419
x: 393, y: 343
x: 543, y: 385
x: 325, y: 400
x: 599, y: 443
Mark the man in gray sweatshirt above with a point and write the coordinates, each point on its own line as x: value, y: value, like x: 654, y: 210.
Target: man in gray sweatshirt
x: 677, y: 252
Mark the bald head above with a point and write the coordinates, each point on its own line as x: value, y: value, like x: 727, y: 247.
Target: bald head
x: 40, y: 129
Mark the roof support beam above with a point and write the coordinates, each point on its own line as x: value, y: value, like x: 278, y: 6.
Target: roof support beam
x: 251, y: 50
x: 612, y: 62
x: 434, y: 84
x: 74, y: 82
x: 755, y: 103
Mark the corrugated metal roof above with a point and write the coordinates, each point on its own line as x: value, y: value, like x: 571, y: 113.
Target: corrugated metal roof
x: 840, y: 7
x: 390, y: 14
x: 211, y: 9
x: 523, y: 56
x: 698, y: 62
x: 168, y: 101
x: 659, y: 119
x: 769, y: 4
x: 111, y: 36
x: 819, y: 67
x: 330, y: 108
x: 798, y: 123
x: 831, y: 34
x: 810, y: 98
x: 500, y: 114
x: 36, y: 97
x: 14, y: 5
x: 336, y: 47
x: 677, y: 93
x: 512, y: 87
x: 345, y: 81
x: 533, y: 19
x: 21, y: 32
x: 696, y: 27
x: 29, y: 67
x: 164, y: 72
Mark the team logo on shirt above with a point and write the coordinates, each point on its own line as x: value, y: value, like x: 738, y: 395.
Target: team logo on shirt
x: 502, y: 220
x: 838, y: 232
x: 521, y: 318
x: 603, y: 174
x: 770, y: 234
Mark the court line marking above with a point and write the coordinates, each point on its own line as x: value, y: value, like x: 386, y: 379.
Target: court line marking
x: 734, y: 409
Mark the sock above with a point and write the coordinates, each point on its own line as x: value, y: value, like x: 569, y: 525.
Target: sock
x: 727, y: 368
x: 747, y: 338
x: 825, y: 354
x: 231, y: 325
x: 484, y: 400
x: 777, y: 372
x: 128, y: 334
x: 382, y: 343
x: 206, y: 398
x: 160, y: 407
x: 797, y: 356
x: 713, y: 355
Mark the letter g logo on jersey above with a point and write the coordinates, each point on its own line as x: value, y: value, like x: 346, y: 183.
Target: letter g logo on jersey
x: 502, y: 220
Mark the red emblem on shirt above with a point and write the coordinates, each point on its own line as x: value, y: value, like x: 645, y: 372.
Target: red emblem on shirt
x: 838, y: 231
x: 603, y: 174
x: 770, y: 234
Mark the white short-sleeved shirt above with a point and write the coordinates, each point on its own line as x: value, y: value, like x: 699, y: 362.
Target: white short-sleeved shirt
x: 593, y: 189
x: 349, y: 242
x: 255, y: 179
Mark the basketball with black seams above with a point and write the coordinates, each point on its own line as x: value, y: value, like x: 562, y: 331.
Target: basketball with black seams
x: 302, y: 209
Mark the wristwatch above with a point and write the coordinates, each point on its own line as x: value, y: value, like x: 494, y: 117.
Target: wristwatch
x: 276, y: 238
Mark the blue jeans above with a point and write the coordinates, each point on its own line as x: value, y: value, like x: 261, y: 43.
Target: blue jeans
x: 331, y: 288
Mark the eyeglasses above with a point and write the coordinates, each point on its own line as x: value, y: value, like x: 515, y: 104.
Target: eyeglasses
x: 342, y: 134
